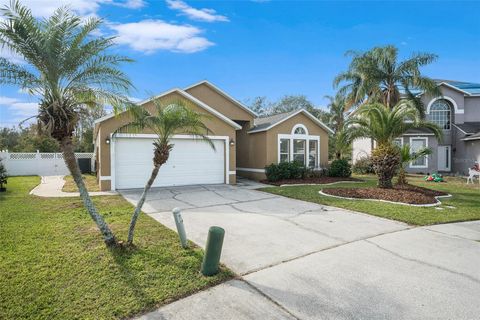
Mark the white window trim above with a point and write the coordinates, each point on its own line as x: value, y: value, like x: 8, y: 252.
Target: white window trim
x: 401, y: 141
x: 305, y: 137
x: 279, y: 149
x: 299, y: 125
x: 454, y: 104
x: 226, y: 139
x: 426, y: 157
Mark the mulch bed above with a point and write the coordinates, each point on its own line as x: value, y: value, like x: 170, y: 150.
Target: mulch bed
x: 406, y: 194
x: 319, y: 180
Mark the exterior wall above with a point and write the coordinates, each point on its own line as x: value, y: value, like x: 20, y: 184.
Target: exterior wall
x: 263, y: 146
x: 109, y: 126
x: 472, y: 109
x: 361, y: 148
x: 432, y: 159
x: 254, y: 156
x: 211, y: 97
x: 286, y: 128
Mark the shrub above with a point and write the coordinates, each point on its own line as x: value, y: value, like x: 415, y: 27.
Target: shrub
x: 285, y: 170
x: 3, y: 175
x: 340, y: 168
x: 363, y: 166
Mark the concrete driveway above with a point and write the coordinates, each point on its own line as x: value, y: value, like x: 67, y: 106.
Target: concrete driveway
x: 299, y: 260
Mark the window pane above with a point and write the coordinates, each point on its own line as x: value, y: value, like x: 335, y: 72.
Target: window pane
x: 418, y: 144
x: 398, y: 142
x: 440, y: 114
x: 299, y: 131
x: 284, y: 146
x: 284, y: 157
x: 312, y: 150
x: 299, y: 150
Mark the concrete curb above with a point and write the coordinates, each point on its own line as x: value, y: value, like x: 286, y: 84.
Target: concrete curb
x: 392, y: 202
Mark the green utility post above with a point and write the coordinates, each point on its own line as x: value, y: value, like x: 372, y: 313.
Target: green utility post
x: 213, y: 251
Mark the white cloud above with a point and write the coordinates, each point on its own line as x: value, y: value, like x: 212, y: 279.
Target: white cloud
x: 207, y: 15
x: 44, y: 8
x: 149, y: 36
x: 130, y: 4
x: 19, y: 110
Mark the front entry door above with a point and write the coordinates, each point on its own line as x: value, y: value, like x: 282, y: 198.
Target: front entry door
x: 444, y: 158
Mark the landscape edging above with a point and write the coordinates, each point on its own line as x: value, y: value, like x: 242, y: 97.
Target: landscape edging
x: 392, y: 202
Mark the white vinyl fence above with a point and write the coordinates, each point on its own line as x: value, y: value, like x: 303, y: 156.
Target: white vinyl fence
x: 38, y: 163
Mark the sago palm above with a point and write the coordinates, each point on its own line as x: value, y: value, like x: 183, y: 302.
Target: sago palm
x: 68, y: 69
x: 169, y: 118
x: 377, y: 76
x: 406, y: 157
x: 383, y: 124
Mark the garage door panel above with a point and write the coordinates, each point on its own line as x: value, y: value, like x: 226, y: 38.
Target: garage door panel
x: 190, y: 162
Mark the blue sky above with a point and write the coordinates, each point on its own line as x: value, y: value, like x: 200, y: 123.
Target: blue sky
x: 267, y: 48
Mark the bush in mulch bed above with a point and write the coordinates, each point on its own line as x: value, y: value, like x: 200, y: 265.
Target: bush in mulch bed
x: 311, y: 180
x: 405, y: 193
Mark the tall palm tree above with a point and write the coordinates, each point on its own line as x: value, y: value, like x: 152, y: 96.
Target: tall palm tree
x: 169, y: 118
x: 407, y: 156
x: 69, y: 69
x: 377, y: 76
x: 383, y: 125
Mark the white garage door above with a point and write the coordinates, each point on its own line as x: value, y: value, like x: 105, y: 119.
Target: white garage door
x: 190, y: 162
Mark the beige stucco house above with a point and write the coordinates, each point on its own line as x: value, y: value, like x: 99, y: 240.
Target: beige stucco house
x: 244, y: 143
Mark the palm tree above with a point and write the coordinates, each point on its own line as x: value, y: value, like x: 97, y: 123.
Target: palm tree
x: 407, y: 156
x: 376, y: 76
x: 68, y: 68
x: 340, y: 141
x: 336, y: 108
x: 383, y: 125
x: 169, y: 118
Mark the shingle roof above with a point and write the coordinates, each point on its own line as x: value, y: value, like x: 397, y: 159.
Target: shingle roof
x: 475, y: 136
x: 265, y: 122
x: 419, y: 131
x: 469, y: 127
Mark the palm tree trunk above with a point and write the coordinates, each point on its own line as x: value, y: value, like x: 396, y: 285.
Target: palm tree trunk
x: 402, y: 177
x: 71, y: 162
x: 138, y: 208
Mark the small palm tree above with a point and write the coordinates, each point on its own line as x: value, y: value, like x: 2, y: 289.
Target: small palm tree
x: 383, y: 125
x: 376, y: 76
x: 407, y: 156
x: 342, y: 143
x: 68, y: 68
x: 168, y: 119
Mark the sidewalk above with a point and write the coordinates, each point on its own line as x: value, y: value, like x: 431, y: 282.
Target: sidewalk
x: 51, y: 187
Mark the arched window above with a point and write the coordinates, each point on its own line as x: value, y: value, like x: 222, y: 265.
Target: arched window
x: 300, y: 130
x: 441, y: 114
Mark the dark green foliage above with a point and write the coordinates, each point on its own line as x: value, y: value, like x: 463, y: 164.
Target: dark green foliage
x: 363, y: 166
x: 3, y: 175
x: 285, y: 170
x: 340, y: 168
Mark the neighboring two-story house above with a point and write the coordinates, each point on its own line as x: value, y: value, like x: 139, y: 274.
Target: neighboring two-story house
x: 457, y: 112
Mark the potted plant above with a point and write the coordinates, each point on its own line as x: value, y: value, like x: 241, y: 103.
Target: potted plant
x: 3, y: 177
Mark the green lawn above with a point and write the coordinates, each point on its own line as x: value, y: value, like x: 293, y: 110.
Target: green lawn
x: 54, y: 265
x: 90, y: 182
x: 466, y: 200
